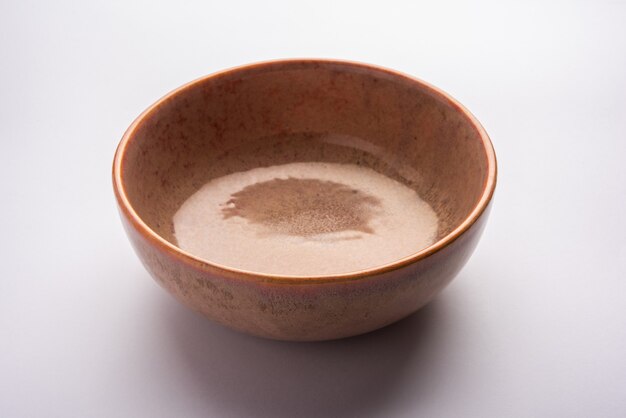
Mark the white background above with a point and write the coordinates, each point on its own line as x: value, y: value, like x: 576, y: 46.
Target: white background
x: 534, y: 326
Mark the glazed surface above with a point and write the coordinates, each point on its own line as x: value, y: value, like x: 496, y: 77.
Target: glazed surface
x: 332, y: 218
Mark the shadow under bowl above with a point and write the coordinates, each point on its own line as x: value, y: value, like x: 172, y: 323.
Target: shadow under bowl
x: 291, y: 111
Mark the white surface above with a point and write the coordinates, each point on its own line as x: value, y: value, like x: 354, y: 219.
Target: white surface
x: 534, y: 326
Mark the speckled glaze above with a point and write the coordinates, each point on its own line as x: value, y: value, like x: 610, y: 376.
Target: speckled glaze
x: 305, y: 110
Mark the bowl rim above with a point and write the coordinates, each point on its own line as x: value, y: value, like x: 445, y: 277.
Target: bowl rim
x: 127, y: 210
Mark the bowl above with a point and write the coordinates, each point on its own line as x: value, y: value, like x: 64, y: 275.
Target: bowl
x: 371, y: 125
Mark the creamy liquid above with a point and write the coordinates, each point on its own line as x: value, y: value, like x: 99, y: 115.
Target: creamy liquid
x: 304, y: 219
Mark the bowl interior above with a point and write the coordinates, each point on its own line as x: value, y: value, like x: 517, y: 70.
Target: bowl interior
x: 303, y: 111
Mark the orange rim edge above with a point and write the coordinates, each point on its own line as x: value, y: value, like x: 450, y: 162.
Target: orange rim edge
x: 205, y: 265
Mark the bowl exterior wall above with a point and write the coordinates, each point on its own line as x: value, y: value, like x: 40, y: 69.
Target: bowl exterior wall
x: 310, y: 309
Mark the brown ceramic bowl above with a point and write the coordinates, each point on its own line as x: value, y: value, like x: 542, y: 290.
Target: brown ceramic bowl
x: 234, y: 121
